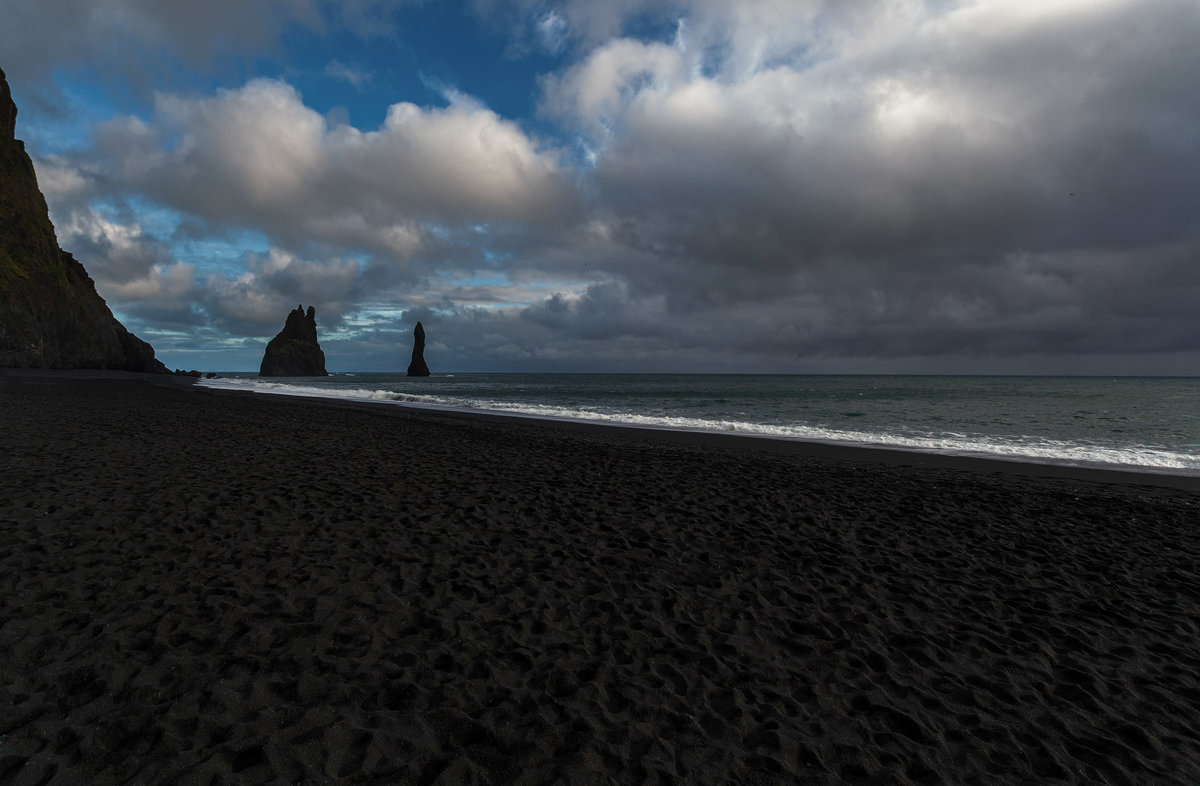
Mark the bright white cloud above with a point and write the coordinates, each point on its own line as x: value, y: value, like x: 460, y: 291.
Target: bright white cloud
x: 260, y: 143
x: 817, y: 129
x: 61, y: 181
x: 258, y: 156
x: 462, y: 162
x: 596, y: 91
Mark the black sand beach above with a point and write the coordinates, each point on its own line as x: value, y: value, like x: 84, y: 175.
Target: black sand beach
x: 204, y: 588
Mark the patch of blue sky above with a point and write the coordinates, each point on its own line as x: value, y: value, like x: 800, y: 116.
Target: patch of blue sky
x: 713, y: 59
x: 238, y: 342
x: 224, y: 253
x: 155, y: 220
x: 49, y: 132
x: 209, y: 351
x: 656, y: 26
x: 135, y: 325
x: 364, y: 105
x: 213, y: 357
x: 425, y: 61
x: 497, y: 258
x: 166, y: 333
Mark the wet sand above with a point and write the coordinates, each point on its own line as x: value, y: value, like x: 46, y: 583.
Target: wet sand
x: 200, y: 587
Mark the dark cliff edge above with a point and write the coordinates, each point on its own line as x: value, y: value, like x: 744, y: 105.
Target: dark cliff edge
x: 50, y: 313
x: 295, y: 351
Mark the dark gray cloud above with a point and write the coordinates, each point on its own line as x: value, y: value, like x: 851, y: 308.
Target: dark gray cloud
x: 929, y: 152
x: 130, y: 38
x: 954, y: 188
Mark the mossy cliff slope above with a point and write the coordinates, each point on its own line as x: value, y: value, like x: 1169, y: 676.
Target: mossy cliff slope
x: 50, y: 313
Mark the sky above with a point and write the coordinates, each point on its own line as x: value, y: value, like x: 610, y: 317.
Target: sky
x: 766, y: 186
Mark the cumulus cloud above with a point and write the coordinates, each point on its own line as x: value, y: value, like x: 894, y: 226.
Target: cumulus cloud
x: 906, y: 140
x: 162, y: 282
x: 756, y: 186
x: 894, y: 179
x: 596, y: 91
x: 333, y: 283
x: 241, y: 305
x: 258, y: 156
x: 133, y: 269
x: 126, y: 262
x: 252, y: 302
x: 119, y: 253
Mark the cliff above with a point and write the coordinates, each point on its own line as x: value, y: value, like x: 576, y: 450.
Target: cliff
x: 50, y: 313
x: 295, y: 352
x: 417, y: 367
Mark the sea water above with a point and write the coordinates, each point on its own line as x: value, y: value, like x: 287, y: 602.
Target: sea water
x: 1128, y: 422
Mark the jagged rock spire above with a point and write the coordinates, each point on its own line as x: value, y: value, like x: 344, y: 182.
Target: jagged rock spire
x: 295, y: 351
x: 417, y: 367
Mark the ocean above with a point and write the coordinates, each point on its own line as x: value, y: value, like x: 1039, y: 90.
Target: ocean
x: 1151, y: 424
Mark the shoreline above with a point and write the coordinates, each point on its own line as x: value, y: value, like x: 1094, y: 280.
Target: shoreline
x: 890, y: 453
x: 218, y: 587
x: 1095, y: 473
x: 883, y: 454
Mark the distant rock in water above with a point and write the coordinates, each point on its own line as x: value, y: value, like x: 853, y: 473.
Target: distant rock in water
x: 417, y: 367
x: 295, y: 351
x: 50, y: 313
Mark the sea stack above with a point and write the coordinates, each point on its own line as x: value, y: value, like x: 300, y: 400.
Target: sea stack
x: 50, y: 313
x: 417, y: 367
x: 295, y: 351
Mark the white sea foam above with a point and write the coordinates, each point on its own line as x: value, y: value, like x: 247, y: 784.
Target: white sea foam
x: 1014, y: 447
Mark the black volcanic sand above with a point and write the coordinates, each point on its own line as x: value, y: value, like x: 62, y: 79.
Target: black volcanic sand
x: 205, y: 588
